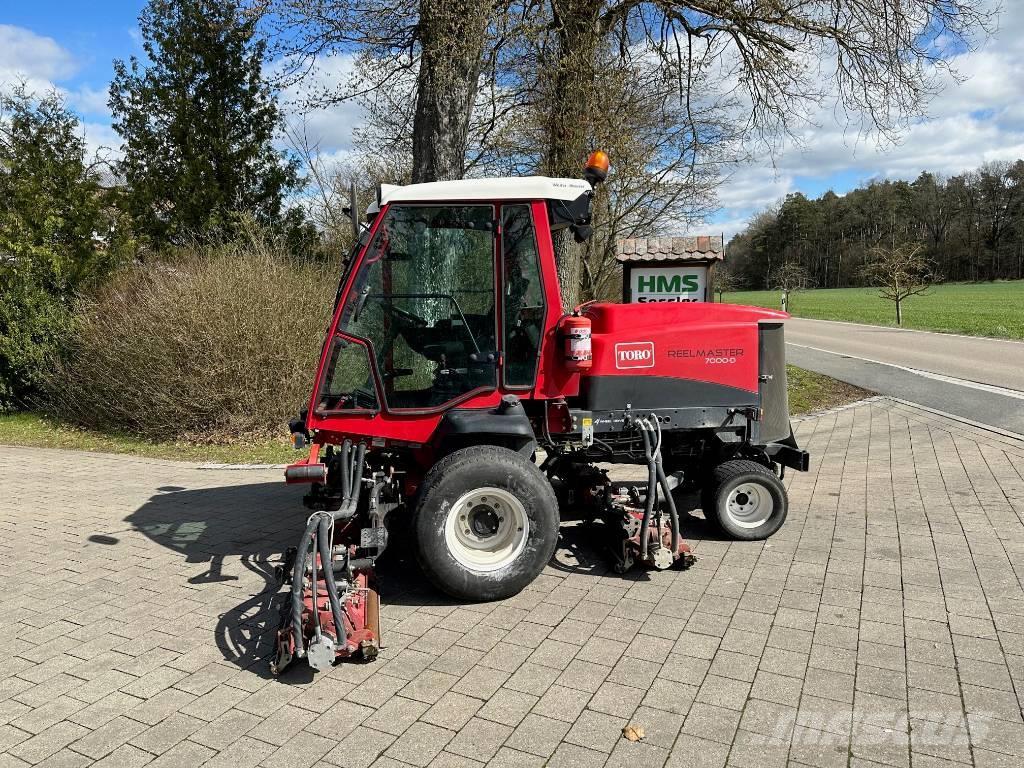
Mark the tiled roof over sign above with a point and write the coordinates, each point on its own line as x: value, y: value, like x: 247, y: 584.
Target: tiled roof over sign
x: 686, y: 248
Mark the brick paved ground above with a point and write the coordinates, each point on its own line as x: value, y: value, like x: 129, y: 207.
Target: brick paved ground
x: 883, y: 625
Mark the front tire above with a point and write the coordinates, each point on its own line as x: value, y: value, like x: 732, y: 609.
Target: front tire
x: 486, y: 523
x: 746, y: 500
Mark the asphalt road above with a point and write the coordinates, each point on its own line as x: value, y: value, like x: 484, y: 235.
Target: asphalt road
x: 976, y: 378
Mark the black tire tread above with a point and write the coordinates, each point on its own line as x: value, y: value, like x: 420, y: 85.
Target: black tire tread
x: 728, y: 471
x: 491, y: 455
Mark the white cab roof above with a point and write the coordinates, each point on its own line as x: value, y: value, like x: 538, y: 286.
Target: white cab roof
x: 508, y: 188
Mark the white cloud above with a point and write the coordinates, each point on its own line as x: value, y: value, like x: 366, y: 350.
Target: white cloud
x: 100, y: 140
x: 974, y: 119
x: 330, y: 127
x: 36, y: 59
x: 90, y: 101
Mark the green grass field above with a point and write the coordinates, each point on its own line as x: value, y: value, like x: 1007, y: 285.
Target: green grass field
x: 807, y: 392
x: 37, y: 431
x: 976, y: 309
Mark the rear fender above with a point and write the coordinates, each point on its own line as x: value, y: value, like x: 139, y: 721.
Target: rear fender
x: 507, y: 426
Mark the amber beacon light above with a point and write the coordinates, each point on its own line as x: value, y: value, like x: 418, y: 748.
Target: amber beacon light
x: 596, y: 169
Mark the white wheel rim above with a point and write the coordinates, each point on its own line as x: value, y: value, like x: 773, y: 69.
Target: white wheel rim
x: 486, y: 529
x: 749, y: 505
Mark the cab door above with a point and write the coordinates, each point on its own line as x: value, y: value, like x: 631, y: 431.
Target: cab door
x: 421, y: 310
x: 523, y: 302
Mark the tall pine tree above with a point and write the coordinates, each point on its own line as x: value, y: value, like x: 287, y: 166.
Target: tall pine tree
x: 198, y: 123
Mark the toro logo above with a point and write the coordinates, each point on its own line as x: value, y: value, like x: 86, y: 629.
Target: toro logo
x: 634, y: 354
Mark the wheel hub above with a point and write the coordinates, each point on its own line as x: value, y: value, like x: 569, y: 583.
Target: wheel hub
x: 749, y: 505
x: 486, y: 529
x: 484, y: 521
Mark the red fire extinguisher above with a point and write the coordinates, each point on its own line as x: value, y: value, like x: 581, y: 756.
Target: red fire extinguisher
x: 578, y: 353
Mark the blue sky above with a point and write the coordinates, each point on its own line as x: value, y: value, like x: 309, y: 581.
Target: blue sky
x: 70, y: 45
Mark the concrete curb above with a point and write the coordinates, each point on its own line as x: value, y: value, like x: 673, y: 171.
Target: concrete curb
x: 242, y: 466
x: 960, y: 419
x: 838, y: 408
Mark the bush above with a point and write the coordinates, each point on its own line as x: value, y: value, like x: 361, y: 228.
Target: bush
x: 33, y: 325
x: 219, y: 344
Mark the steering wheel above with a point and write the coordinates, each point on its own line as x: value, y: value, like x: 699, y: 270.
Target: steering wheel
x: 406, y: 315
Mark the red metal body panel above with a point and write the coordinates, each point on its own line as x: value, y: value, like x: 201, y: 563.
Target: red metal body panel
x: 715, y: 343
x: 553, y: 379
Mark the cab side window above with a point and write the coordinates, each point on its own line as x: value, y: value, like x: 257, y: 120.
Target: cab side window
x: 523, y: 313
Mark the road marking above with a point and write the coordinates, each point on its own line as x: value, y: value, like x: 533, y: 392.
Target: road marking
x: 1014, y: 393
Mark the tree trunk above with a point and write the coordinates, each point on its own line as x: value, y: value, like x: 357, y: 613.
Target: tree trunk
x: 572, y: 105
x: 452, y: 35
x: 899, y: 312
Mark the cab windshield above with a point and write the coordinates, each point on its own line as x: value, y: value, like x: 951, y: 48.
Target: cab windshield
x: 423, y: 301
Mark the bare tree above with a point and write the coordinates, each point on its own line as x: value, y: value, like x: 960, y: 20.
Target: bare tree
x: 327, y: 196
x: 441, y: 41
x: 789, y: 278
x: 520, y: 84
x: 901, y: 272
x: 723, y: 280
x: 879, y: 60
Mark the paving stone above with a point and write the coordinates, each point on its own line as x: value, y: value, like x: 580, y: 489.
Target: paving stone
x: 396, y: 715
x: 185, y: 754
x: 695, y: 752
x: 849, y: 638
x: 452, y: 711
x: 226, y: 729
x: 44, y: 744
x: 164, y: 735
x: 482, y: 682
x: 420, y: 744
x: 508, y: 707
x: 712, y: 722
x: 618, y: 700
x: 562, y: 703
x: 300, y: 751
x: 109, y: 737
x: 125, y: 756
x: 359, y: 748
x: 538, y: 735
x: 510, y: 758
x: 575, y: 756
x: 479, y: 739
x: 246, y: 752
x: 596, y: 730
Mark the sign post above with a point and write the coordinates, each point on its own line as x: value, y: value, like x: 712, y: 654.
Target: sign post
x: 668, y: 284
x: 668, y: 269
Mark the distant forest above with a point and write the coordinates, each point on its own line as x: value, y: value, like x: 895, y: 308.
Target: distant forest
x: 971, y: 225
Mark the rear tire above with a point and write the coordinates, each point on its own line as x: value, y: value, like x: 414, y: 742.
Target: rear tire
x: 486, y: 523
x: 746, y: 500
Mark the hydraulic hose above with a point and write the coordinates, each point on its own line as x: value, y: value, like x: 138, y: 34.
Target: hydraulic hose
x: 324, y: 542
x: 351, y: 462
x: 316, y: 538
x: 655, y: 427
x: 652, y: 488
x: 672, y: 513
x: 346, y: 488
x: 298, y: 574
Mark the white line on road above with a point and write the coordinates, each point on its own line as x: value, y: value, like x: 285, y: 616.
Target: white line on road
x: 927, y: 374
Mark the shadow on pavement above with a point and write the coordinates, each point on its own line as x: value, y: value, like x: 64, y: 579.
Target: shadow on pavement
x: 249, y: 526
